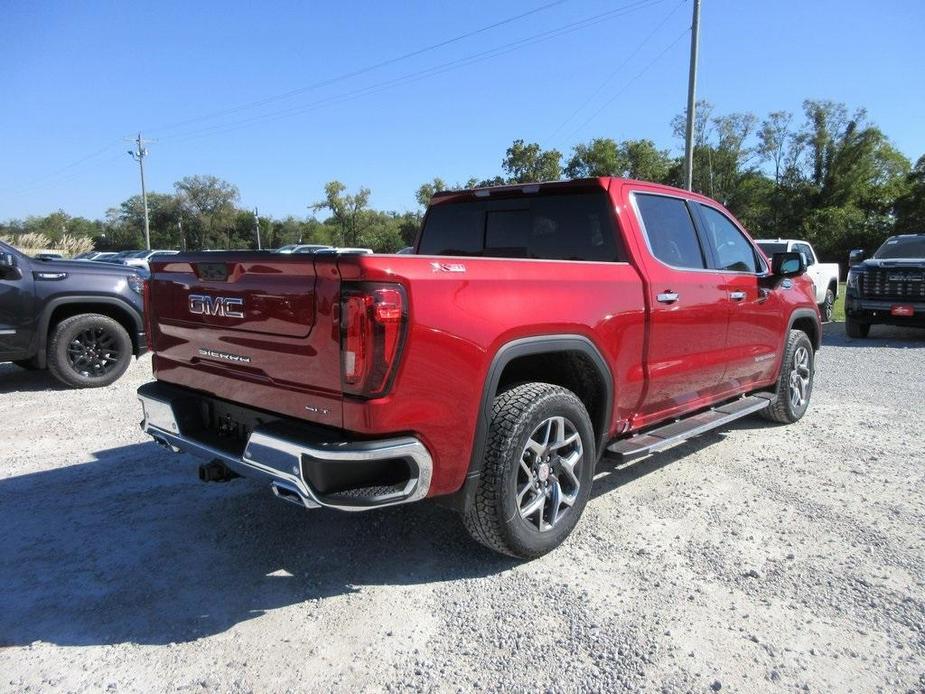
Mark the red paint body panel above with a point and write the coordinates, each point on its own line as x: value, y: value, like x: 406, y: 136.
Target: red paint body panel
x: 665, y: 359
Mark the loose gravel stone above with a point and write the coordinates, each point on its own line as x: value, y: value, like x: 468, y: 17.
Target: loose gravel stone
x: 757, y: 557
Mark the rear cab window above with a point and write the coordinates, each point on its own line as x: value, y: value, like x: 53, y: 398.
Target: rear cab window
x: 562, y: 226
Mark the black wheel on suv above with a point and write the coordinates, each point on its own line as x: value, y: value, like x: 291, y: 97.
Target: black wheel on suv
x: 537, y: 472
x: 827, y: 307
x: 88, y: 351
x: 856, y: 328
x: 795, y: 383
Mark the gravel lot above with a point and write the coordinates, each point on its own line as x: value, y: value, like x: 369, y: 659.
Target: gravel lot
x: 759, y: 558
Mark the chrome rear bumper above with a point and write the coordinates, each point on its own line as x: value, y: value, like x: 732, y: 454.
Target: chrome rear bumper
x: 287, y: 459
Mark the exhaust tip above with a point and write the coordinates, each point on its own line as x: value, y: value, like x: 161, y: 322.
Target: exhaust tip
x: 286, y: 493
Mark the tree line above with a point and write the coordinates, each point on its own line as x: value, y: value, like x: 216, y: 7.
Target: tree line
x: 831, y: 177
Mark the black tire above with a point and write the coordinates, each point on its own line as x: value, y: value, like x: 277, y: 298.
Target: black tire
x: 827, y: 307
x: 494, y: 515
x: 28, y: 364
x: 799, y: 359
x: 88, y: 351
x: 856, y: 328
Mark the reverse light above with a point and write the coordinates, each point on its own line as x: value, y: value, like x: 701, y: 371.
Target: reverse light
x: 373, y: 322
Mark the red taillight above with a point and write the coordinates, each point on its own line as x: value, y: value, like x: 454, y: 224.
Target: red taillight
x: 373, y: 319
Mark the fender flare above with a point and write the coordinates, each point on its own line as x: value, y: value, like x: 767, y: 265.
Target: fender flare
x: 529, y: 346
x: 49, y: 308
x: 794, y: 317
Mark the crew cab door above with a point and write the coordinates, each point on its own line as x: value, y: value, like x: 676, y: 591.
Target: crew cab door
x: 16, y: 306
x: 686, y: 300
x: 754, y: 306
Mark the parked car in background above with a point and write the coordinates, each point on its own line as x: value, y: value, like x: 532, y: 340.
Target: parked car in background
x: 82, y: 321
x: 825, y: 276
x: 888, y: 287
x: 94, y: 255
x: 301, y: 248
x: 141, y: 258
x: 407, y: 250
x: 533, y: 331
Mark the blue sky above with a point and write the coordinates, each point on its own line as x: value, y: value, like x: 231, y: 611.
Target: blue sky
x: 80, y: 77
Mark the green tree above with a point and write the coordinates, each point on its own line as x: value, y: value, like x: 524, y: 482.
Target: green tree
x: 526, y: 163
x: 209, y: 202
x: 347, y: 211
x: 910, y: 206
x: 427, y: 190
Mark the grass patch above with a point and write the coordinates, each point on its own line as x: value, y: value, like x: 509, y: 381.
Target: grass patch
x: 838, y: 314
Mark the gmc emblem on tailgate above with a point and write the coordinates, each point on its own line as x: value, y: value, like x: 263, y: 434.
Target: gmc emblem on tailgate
x: 203, y: 305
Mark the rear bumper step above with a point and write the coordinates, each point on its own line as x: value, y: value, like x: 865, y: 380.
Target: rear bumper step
x: 672, y: 434
x: 346, y: 475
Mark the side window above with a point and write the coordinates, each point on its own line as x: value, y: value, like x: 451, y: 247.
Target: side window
x: 670, y: 230
x: 805, y: 251
x: 730, y: 248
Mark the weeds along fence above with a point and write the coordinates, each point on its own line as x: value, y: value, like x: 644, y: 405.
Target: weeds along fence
x: 32, y: 243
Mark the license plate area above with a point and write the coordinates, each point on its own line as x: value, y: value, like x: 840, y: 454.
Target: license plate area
x: 903, y: 310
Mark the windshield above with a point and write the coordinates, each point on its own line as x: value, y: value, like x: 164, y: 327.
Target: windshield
x: 902, y: 247
x: 770, y: 248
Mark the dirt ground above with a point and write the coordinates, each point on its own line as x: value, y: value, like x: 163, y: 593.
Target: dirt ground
x: 759, y: 558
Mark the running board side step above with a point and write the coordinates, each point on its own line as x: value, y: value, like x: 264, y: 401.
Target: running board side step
x: 677, y: 432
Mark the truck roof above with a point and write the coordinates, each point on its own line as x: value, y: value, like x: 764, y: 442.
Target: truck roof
x: 573, y: 185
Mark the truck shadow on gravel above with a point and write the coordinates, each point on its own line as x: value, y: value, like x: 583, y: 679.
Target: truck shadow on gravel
x: 833, y: 335
x: 131, y: 547
x: 14, y: 379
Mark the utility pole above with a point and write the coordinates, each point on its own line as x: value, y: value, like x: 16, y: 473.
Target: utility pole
x: 139, y: 154
x: 257, y: 227
x: 691, y: 100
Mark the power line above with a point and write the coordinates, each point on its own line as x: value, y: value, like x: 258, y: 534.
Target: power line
x: 419, y: 74
x: 618, y: 70
x: 37, y: 182
x: 361, y: 71
x: 630, y: 82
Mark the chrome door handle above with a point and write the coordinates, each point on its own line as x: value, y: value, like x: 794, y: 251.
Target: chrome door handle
x: 667, y: 297
x: 737, y: 296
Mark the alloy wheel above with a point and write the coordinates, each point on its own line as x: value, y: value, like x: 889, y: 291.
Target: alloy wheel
x: 93, y: 352
x: 548, y: 476
x: 800, y: 376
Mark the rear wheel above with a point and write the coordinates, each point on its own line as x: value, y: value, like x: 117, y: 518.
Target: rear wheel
x: 89, y: 351
x: 536, y: 476
x: 827, y: 307
x: 795, y: 383
x: 856, y: 328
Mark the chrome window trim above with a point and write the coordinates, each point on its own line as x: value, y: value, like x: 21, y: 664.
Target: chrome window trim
x: 645, y: 233
x: 766, y: 272
x: 759, y: 256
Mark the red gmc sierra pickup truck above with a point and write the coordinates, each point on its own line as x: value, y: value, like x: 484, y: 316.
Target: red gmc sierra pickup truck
x: 535, y: 329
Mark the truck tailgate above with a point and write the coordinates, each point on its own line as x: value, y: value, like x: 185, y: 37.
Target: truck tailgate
x: 253, y: 328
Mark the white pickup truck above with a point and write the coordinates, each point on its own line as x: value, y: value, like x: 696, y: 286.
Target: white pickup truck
x: 823, y: 275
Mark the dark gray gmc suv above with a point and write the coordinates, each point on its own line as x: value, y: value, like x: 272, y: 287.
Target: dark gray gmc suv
x: 83, y: 321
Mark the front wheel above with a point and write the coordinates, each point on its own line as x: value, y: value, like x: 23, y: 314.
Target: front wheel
x: 88, y: 351
x: 795, y: 383
x: 856, y: 328
x: 536, y: 476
